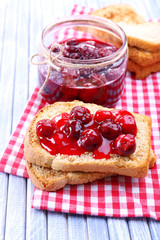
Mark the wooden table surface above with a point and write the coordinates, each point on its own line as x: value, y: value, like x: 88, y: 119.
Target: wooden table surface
x: 21, y: 23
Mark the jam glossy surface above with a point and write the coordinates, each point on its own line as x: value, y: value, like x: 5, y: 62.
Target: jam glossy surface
x: 70, y: 135
x: 102, y: 85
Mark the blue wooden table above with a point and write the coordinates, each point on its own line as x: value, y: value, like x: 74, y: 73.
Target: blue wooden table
x: 21, y: 23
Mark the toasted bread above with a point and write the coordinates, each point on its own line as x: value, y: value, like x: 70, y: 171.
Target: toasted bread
x: 135, y: 165
x: 143, y: 58
x: 51, y: 180
x: 142, y: 72
x: 138, y: 31
x: 145, y: 36
x: 118, y: 13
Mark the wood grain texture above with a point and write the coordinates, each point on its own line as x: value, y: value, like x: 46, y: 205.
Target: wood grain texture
x: 139, y: 229
x: 154, y: 227
x: 97, y: 228
x: 20, y: 29
x: 36, y: 223
x: 77, y: 227
x: 57, y: 226
x: 3, y: 203
x: 118, y: 229
x: 16, y: 212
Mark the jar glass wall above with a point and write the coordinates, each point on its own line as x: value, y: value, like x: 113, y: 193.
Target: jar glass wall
x: 92, y: 79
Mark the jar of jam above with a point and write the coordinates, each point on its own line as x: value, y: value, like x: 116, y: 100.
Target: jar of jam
x: 82, y: 57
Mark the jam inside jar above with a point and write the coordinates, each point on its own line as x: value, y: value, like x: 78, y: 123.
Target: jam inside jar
x: 92, y: 64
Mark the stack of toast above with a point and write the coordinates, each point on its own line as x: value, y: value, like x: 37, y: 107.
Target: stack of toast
x: 52, y: 172
x: 143, y: 38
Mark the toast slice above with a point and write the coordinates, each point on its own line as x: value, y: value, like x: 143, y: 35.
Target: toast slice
x: 51, y: 180
x: 142, y: 57
x: 118, y: 13
x: 48, y: 179
x: 142, y: 72
x: 141, y: 34
x: 145, y: 36
x: 135, y: 165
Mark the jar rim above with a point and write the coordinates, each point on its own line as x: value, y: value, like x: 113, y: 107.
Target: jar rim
x: 86, y: 18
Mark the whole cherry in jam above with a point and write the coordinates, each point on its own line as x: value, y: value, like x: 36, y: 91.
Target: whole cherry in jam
x: 110, y: 130
x: 72, y: 42
x: 124, y: 144
x: 85, y: 49
x: 90, y: 139
x: 102, y: 133
x: 127, y: 122
x: 101, y: 116
x: 60, y: 120
x: 73, y: 128
x: 44, y: 128
x: 81, y: 113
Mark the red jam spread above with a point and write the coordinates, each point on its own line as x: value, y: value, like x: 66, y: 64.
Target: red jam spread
x: 77, y: 132
x: 101, y: 85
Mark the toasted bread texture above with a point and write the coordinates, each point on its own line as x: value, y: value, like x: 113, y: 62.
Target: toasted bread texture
x: 51, y: 180
x: 142, y: 72
x: 118, y: 13
x: 135, y: 165
x: 145, y: 36
x: 153, y: 159
x: 142, y: 57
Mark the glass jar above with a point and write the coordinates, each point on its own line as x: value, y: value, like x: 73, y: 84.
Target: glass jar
x: 95, y: 80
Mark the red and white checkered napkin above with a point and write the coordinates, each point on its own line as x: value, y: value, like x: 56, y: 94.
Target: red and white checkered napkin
x: 12, y: 160
x: 118, y: 196
x: 114, y: 196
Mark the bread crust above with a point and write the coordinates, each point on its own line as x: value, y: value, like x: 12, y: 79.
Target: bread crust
x: 142, y: 72
x: 139, y: 35
x: 136, y: 165
x: 48, y: 179
x: 143, y: 58
x: 153, y: 159
x: 41, y: 183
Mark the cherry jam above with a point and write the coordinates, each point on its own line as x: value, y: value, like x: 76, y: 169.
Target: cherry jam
x: 100, y: 85
x: 79, y: 131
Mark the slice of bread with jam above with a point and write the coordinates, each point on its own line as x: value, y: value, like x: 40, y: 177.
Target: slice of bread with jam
x: 135, y: 164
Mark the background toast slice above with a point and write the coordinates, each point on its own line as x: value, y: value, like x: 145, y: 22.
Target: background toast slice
x: 50, y: 180
x: 118, y: 13
x: 135, y: 165
x: 142, y: 72
x: 145, y: 36
x: 142, y: 57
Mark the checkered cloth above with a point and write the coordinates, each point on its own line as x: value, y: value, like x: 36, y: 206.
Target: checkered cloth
x: 12, y: 160
x: 117, y: 196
